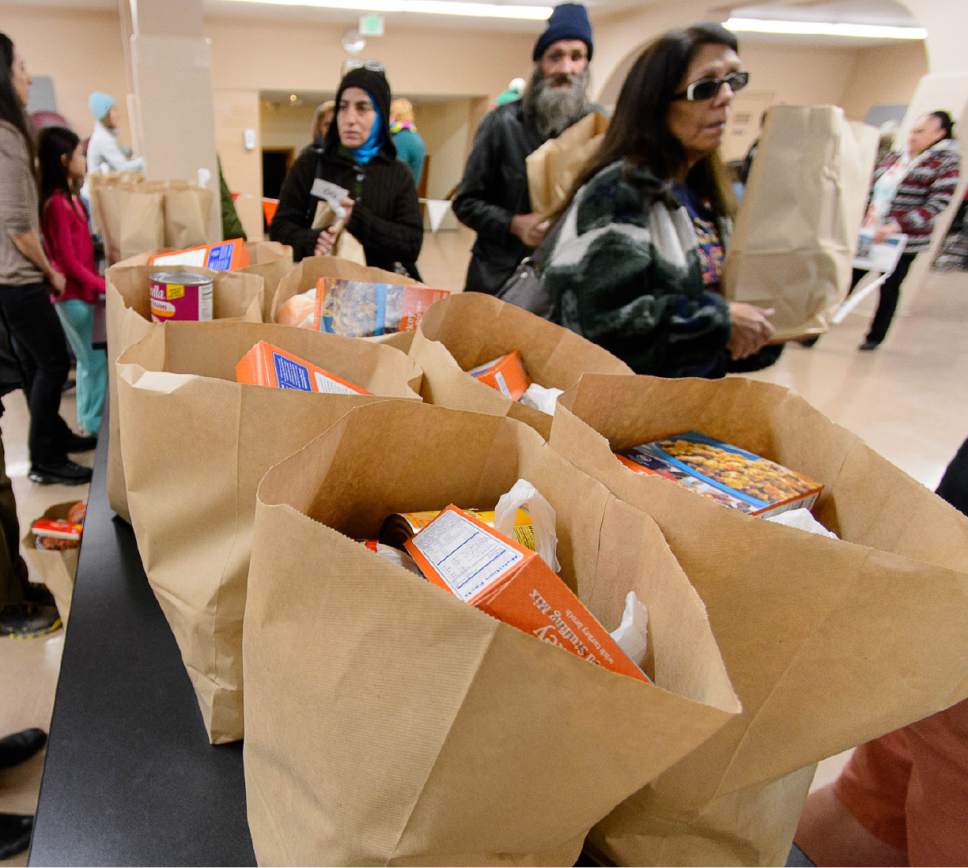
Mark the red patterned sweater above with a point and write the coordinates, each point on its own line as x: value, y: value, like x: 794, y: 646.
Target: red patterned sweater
x: 924, y: 191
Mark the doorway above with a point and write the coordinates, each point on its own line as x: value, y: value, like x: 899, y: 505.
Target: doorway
x: 275, y: 166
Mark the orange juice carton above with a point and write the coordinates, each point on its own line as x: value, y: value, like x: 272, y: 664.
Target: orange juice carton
x: 463, y: 555
x: 357, y: 309
x: 506, y: 374
x: 224, y: 256
x: 267, y: 365
x: 725, y: 473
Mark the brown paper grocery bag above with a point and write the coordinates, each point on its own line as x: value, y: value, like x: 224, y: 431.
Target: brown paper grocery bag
x: 187, y: 211
x: 304, y: 276
x: 142, y: 220
x: 128, y: 320
x: 389, y: 723
x: 469, y: 329
x: 272, y: 261
x: 829, y: 643
x: 555, y: 166
x: 55, y: 568
x: 796, y: 232
x: 195, y: 444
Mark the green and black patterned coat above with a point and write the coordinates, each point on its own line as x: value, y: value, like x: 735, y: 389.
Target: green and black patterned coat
x: 625, y: 273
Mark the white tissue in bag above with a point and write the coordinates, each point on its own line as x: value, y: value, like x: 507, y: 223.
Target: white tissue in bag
x: 523, y: 495
x: 632, y: 635
x: 802, y: 519
x: 542, y: 398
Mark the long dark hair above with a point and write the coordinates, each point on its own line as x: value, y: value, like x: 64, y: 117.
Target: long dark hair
x: 639, y: 132
x: 55, y: 143
x: 11, y: 110
x: 946, y: 123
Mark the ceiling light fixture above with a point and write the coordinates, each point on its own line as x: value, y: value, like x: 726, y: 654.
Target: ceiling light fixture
x: 422, y: 7
x: 823, y: 28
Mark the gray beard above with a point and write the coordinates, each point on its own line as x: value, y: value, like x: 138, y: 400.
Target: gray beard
x: 551, y: 109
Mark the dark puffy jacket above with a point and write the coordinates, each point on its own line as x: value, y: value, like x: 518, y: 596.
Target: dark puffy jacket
x: 495, y: 188
x: 386, y: 217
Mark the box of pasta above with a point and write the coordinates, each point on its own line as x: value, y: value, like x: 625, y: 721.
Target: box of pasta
x: 725, y: 473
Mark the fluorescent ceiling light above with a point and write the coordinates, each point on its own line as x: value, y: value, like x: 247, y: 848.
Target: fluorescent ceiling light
x: 422, y: 7
x: 824, y: 28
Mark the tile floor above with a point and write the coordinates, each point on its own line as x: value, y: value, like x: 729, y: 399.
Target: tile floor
x: 906, y: 400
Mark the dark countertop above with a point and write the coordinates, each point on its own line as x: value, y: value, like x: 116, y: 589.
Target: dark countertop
x: 129, y: 777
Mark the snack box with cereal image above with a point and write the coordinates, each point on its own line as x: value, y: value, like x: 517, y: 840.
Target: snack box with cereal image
x: 725, y: 473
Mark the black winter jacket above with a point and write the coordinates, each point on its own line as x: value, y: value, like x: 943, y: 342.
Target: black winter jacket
x: 495, y: 188
x: 386, y: 218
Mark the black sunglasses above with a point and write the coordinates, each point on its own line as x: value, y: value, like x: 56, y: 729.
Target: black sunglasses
x: 707, y: 88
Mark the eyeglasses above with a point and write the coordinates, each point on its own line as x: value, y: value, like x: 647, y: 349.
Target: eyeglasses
x: 707, y: 88
x: 372, y: 65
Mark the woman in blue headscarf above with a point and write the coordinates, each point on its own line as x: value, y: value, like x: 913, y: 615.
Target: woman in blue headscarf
x: 359, y: 155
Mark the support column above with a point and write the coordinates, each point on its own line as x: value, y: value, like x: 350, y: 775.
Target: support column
x: 173, y: 114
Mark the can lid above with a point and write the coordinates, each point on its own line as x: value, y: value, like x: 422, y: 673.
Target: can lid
x: 187, y: 278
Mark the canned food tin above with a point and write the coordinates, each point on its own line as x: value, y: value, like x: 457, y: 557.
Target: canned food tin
x: 180, y: 295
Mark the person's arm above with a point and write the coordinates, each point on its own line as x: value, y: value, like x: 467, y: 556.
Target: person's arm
x: 610, y: 288
x: 481, y: 179
x: 400, y: 233
x: 57, y: 234
x: 16, y: 214
x: 290, y: 225
x: 920, y: 220
x: 110, y: 152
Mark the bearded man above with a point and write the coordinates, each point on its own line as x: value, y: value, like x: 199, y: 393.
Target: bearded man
x: 492, y: 198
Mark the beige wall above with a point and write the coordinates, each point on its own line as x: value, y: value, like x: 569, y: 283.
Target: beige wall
x: 445, y: 128
x: 80, y: 50
x: 884, y: 75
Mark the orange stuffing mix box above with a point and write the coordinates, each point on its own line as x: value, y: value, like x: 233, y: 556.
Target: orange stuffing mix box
x: 506, y: 374
x: 267, y: 365
x: 228, y: 255
x: 461, y: 554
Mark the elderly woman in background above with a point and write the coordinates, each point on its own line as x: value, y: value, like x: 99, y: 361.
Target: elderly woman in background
x: 635, y: 263
x: 911, y: 188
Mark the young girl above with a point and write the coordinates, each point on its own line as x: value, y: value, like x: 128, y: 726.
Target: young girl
x: 71, y: 251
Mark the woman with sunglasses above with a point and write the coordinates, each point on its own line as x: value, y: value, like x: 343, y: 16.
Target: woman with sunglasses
x: 635, y: 262
x: 382, y: 210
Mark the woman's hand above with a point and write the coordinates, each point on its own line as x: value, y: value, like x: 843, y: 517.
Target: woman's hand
x: 892, y: 227
x: 57, y: 281
x: 530, y: 228
x: 751, y: 329
x: 346, y: 203
x: 325, y: 241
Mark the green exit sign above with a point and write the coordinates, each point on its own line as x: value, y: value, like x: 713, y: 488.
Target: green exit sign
x: 371, y: 25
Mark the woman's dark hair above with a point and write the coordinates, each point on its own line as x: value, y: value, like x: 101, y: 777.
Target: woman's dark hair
x: 947, y: 124
x: 11, y: 110
x: 55, y: 143
x: 639, y: 132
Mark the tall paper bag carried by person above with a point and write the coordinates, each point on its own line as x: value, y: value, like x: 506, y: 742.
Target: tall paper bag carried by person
x: 512, y: 747
x: 829, y: 642
x: 793, y: 245
x: 195, y: 444
x: 128, y: 320
x: 554, y: 167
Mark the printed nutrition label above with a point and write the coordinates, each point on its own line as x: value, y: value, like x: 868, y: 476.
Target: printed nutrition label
x: 328, y: 386
x: 467, y: 558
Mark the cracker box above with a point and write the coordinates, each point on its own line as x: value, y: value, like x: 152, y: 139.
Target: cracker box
x: 506, y: 374
x: 267, y: 365
x: 461, y: 554
x: 228, y: 255
x: 357, y: 309
x: 725, y: 473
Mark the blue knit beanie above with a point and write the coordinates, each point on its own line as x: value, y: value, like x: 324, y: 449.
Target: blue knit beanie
x: 567, y: 21
x: 100, y: 104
